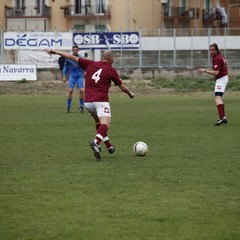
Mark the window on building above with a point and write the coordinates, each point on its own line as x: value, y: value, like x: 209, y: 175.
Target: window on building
x: 88, y: 7
x: 207, y: 4
x: 183, y: 7
x: 166, y: 8
x: 20, y: 4
x: 78, y: 6
x: 40, y: 6
x: 101, y: 7
x: 183, y: 3
x: 79, y: 27
x: 101, y: 28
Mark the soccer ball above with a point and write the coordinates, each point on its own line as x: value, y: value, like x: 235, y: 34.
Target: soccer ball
x: 140, y: 148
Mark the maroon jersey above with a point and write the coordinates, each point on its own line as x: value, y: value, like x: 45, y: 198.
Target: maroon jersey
x: 99, y: 76
x: 219, y: 63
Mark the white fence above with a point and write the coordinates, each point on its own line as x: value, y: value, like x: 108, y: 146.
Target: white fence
x: 168, y: 48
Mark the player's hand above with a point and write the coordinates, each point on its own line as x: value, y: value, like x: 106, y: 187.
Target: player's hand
x: 64, y: 79
x: 50, y: 51
x: 201, y: 70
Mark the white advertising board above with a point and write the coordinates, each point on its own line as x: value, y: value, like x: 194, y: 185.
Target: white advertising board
x: 17, y: 72
x: 38, y: 40
x: 41, y: 58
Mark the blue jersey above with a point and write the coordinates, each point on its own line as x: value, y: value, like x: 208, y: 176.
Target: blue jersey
x: 75, y: 73
x: 72, y: 68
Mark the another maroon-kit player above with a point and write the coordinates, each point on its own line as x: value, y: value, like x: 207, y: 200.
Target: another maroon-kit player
x: 220, y: 72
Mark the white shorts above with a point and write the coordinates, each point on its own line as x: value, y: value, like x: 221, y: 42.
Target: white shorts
x: 221, y: 84
x: 100, y: 109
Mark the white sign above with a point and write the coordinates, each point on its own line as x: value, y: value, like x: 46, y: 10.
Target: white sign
x: 12, y: 72
x: 41, y: 58
x: 38, y: 40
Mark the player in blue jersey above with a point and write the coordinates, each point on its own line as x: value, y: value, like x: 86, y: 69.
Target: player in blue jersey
x: 75, y: 78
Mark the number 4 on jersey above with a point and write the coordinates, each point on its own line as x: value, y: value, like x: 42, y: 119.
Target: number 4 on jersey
x: 96, y: 75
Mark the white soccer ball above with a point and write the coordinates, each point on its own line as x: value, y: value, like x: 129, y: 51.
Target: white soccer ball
x: 140, y: 148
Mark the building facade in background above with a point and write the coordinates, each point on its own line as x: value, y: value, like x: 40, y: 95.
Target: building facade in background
x: 115, y: 15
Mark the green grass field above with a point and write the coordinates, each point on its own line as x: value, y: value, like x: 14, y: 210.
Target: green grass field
x: 186, y: 188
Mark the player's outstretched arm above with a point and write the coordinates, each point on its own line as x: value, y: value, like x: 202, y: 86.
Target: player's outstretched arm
x: 125, y: 89
x: 63, y: 54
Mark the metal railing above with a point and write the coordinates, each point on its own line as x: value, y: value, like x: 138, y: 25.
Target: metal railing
x: 28, y: 11
x: 171, y: 59
x: 191, y: 32
x: 180, y: 12
x: 86, y: 10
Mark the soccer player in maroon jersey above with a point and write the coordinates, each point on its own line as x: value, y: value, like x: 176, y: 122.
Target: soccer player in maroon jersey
x: 99, y: 76
x: 220, y: 72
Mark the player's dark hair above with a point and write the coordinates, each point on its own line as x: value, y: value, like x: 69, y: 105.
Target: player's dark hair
x: 216, y: 47
x: 75, y: 46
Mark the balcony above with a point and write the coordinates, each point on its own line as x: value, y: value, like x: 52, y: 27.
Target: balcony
x: 181, y: 13
x: 28, y: 12
x: 211, y: 18
x: 27, y: 18
x: 87, y: 11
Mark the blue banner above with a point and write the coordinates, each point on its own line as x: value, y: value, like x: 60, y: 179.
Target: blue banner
x: 107, y: 40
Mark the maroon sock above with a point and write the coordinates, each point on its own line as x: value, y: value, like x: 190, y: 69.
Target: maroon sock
x: 106, y: 141
x: 102, y: 131
x: 221, y: 111
x: 97, y: 126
